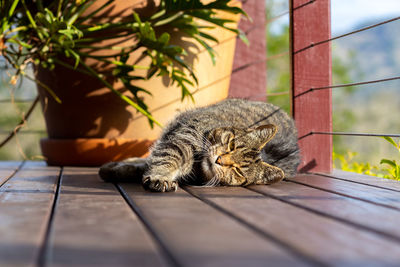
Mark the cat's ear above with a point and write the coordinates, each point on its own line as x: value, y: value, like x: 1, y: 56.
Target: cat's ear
x: 263, y: 134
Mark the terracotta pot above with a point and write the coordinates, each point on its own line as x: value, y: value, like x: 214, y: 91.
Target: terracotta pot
x: 93, y: 125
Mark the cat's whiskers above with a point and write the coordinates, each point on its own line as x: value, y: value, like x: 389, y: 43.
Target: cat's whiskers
x: 189, y: 177
x: 214, y: 181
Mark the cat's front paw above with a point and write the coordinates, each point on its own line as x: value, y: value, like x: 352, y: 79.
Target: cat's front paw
x: 159, y: 185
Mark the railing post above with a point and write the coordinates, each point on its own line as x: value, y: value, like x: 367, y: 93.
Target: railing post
x: 311, y: 68
x: 248, y: 78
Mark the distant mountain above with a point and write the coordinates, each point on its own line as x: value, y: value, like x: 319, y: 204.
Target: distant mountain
x: 376, y: 55
x: 374, y: 108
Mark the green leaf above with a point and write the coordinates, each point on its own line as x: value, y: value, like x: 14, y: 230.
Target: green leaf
x: 75, y: 55
x: 209, y: 37
x: 136, y: 89
x: 178, y: 5
x: 48, y: 89
x: 19, y: 42
x: 123, y: 97
x: 243, y: 37
x: 390, y: 140
x: 79, y: 11
x: 136, y: 17
x: 5, y: 21
x: 164, y: 38
x: 167, y: 20
x: 392, y: 163
x: 209, y: 49
x: 84, y: 18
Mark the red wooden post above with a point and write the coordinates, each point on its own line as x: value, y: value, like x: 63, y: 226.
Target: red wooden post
x: 248, y: 79
x: 311, y: 68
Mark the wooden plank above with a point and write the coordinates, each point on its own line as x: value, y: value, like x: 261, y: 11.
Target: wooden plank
x: 93, y: 226
x: 365, y: 215
x: 7, y: 170
x: 324, y: 240
x: 199, y: 235
x: 366, y: 179
x: 311, y: 68
x: 376, y: 195
x: 248, y: 78
x: 25, y: 205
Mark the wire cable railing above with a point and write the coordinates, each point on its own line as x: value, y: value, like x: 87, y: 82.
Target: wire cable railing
x: 351, y: 134
x: 328, y: 87
x: 347, y: 85
x: 346, y: 34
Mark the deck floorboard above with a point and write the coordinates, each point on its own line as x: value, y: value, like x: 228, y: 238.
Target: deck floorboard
x: 196, y: 234
x: 25, y: 206
x: 54, y: 216
x: 7, y: 170
x: 316, y: 237
x: 389, y: 184
x: 371, y: 217
x: 94, y: 226
x: 375, y: 195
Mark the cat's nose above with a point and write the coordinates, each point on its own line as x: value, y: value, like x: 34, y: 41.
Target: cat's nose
x: 225, y: 160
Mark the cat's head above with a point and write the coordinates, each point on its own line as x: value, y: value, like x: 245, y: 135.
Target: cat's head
x: 233, y: 156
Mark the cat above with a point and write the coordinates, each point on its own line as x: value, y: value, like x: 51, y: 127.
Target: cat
x: 235, y: 142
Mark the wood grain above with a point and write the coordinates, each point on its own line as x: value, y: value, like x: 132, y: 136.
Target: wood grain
x: 199, y: 235
x: 371, y: 217
x: 380, y: 196
x: 7, y: 169
x: 93, y: 226
x: 319, y: 238
x: 285, y: 224
x: 311, y: 68
x: 367, y: 179
x: 25, y: 205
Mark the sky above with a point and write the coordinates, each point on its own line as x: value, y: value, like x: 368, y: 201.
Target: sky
x: 346, y: 14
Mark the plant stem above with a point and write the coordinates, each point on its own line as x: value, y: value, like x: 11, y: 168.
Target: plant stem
x: 106, y: 26
x: 48, y: 89
x: 60, y: 2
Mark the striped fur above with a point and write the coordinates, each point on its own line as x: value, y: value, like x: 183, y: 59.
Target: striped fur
x: 234, y: 142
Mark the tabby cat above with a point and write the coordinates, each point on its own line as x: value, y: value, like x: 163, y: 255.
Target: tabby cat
x: 234, y: 142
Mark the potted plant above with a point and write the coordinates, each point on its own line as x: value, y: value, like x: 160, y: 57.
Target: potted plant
x: 109, y: 70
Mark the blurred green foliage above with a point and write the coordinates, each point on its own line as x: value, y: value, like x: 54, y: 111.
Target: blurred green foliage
x: 388, y: 168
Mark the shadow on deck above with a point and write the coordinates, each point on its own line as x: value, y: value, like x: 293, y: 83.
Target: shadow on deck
x: 67, y: 216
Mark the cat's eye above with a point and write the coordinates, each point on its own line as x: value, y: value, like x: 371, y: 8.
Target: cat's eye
x: 231, y: 145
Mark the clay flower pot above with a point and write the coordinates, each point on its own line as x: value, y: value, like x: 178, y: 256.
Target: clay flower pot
x: 93, y: 126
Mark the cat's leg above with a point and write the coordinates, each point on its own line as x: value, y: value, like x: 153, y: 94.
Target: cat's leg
x: 130, y: 170
x: 269, y: 174
x: 264, y: 173
x: 168, y: 164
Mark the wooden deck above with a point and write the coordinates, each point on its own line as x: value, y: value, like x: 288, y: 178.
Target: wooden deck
x: 51, y: 216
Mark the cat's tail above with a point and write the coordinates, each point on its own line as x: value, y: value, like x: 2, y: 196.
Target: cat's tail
x: 130, y: 170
